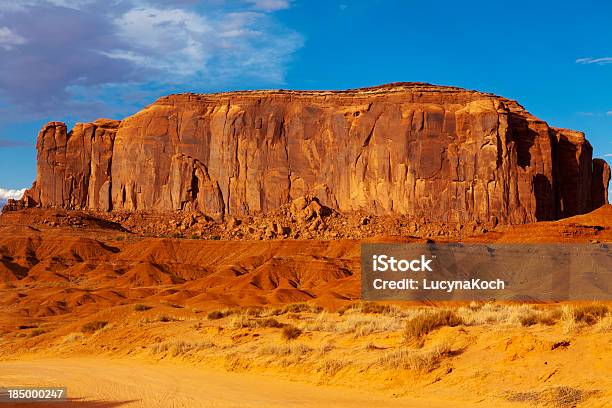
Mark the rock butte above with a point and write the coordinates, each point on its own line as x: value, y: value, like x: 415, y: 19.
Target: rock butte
x: 432, y: 152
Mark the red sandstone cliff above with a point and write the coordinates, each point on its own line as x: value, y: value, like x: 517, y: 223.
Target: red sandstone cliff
x: 433, y: 152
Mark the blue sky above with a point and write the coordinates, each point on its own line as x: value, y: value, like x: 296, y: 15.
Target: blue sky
x: 76, y: 60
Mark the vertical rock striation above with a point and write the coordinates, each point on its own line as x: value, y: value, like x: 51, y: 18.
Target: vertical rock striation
x: 428, y: 151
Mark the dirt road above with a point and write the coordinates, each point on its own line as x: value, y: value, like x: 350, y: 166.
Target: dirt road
x: 102, y: 383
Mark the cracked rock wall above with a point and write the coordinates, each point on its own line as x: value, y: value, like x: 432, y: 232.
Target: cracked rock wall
x: 432, y: 152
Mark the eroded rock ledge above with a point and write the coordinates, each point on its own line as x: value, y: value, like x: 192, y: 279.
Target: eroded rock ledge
x: 432, y: 152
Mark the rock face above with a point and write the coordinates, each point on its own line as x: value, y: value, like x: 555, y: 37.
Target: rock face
x: 74, y: 169
x: 431, y: 152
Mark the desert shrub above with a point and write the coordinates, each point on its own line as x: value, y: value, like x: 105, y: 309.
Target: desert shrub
x: 291, y: 332
x: 294, y: 308
x: 365, y: 307
x: 375, y: 308
x: 300, y: 307
x: 216, y: 315
x: 94, y: 326
x: 165, y: 318
x: 220, y: 314
x: 421, y: 325
x: 269, y: 322
x: 253, y: 311
x: 142, y: 308
x: 535, y: 316
x: 589, y: 314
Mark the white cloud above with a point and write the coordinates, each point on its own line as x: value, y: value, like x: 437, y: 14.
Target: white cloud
x: 9, y: 39
x: 609, y: 113
x: 172, y: 40
x: 598, y: 61
x: 10, y: 194
x: 270, y: 5
x: 14, y: 194
x: 181, y: 43
x: 608, y: 155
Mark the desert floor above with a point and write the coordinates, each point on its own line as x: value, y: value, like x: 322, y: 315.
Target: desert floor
x: 161, y: 355
x: 96, y: 382
x: 128, y: 320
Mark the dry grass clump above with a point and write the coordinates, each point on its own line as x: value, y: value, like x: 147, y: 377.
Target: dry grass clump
x: 556, y: 397
x: 291, y: 332
x: 535, y: 316
x: 369, y: 308
x: 285, y: 350
x: 589, y: 314
x: 524, y: 315
x: 422, y: 361
x: 219, y: 314
x: 364, y: 325
x: 356, y: 323
x: 165, y: 318
x: 142, y: 308
x: 94, y: 326
x: 421, y: 325
x: 177, y: 348
x: 293, y: 308
x: 605, y: 325
x: 72, y: 337
x: 269, y: 322
x: 331, y: 367
x: 241, y: 321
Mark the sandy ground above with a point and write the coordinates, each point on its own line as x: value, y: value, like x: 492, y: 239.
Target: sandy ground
x: 101, y: 383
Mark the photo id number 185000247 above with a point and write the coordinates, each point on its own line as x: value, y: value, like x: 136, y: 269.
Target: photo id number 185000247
x: 32, y: 394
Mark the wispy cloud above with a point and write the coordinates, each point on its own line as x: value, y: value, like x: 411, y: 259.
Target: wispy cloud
x: 270, y: 5
x: 94, y: 58
x: 595, y: 114
x: 598, y: 61
x: 10, y: 39
x: 608, y: 155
